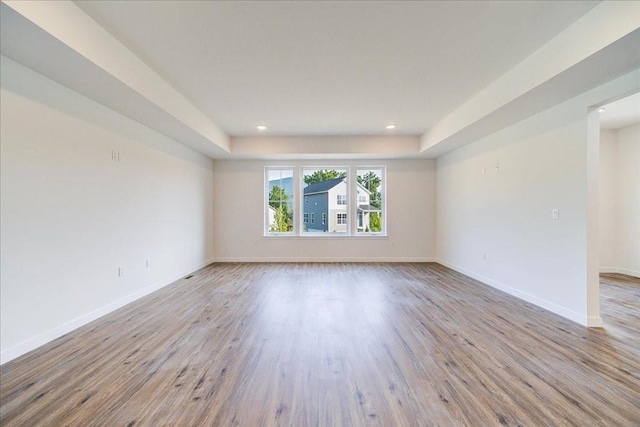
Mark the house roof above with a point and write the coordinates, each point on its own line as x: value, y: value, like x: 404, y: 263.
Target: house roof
x: 322, y: 186
x: 368, y: 208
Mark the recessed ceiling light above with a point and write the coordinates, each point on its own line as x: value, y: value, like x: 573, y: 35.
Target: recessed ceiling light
x: 391, y: 126
x: 601, y: 109
x: 261, y: 127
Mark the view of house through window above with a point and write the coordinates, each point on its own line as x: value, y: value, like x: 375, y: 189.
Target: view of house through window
x: 370, y: 200
x: 280, y: 200
x: 326, y: 199
x: 325, y: 193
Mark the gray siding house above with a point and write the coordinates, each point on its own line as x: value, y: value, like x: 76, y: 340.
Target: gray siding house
x: 325, y: 207
x: 316, y: 205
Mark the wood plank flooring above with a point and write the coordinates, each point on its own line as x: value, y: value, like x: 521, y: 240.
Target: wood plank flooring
x: 334, y: 345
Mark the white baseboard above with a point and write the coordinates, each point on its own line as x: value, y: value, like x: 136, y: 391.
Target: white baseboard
x: 58, y: 331
x: 619, y: 270
x: 595, y: 322
x: 327, y: 259
x: 547, y: 305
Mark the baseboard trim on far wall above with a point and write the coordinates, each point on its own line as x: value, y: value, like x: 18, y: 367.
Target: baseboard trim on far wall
x: 328, y: 259
x: 547, y: 305
x: 619, y: 270
x: 58, y: 331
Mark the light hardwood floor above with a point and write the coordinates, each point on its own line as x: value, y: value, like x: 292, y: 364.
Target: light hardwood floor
x: 334, y: 345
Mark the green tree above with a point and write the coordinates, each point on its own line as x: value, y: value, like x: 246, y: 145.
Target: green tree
x: 280, y: 224
x: 375, y: 222
x: 278, y: 197
x: 371, y: 181
x: 323, y: 175
x: 279, y: 201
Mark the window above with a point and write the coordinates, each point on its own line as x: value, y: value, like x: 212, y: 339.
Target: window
x: 325, y: 201
x: 370, y: 189
x: 326, y: 193
x: 279, y: 204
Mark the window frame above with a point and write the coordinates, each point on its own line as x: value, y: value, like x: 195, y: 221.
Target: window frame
x: 383, y: 199
x: 301, y: 174
x: 300, y: 200
x: 265, y: 202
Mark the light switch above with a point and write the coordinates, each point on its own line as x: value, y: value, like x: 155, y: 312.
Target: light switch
x: 555, y: 214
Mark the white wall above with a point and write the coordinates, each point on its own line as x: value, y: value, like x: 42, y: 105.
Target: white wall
x: 607, y: 198
x: 71, y: 216
x: 628, y: 199
x: 620, y: 200
x: 239, y: 213
x: 544, y: 164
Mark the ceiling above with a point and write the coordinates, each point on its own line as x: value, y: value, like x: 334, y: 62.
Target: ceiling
x: 325, y: 77
x: 621, y: 113
x: 331, y: 68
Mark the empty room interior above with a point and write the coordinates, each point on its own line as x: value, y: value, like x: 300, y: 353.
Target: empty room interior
x: 261, y: 213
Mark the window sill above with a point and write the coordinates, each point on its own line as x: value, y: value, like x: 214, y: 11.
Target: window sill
x: 313, y: 236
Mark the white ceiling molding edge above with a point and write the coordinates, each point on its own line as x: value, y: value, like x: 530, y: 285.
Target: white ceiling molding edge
x: 68, y: 24
x: 325, y: 147
x: 583, y: 56
x: 600, y: 46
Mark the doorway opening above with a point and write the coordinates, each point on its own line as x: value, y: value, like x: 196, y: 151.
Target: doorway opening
x: 619, y: 211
